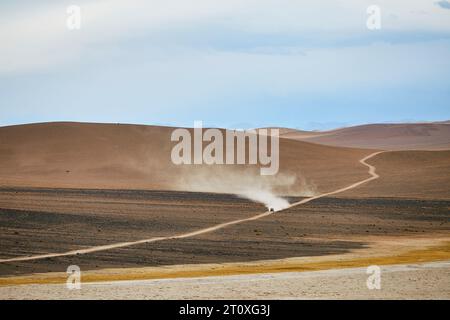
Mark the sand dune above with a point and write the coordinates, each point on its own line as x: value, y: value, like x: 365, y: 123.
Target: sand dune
x: 409, y: 136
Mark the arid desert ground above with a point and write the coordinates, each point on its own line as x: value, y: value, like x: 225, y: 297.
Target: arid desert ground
x: 107, y: 198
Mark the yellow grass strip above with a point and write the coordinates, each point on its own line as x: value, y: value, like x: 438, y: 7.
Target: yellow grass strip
x: 436, y: 253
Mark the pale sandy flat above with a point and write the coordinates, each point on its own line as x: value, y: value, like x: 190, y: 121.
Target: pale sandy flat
x: 411, y: 281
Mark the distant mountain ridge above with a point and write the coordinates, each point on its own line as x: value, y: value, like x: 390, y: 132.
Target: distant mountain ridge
x: 399, y: 136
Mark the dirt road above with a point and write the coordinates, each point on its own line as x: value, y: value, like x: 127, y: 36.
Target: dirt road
x: 372, y: 173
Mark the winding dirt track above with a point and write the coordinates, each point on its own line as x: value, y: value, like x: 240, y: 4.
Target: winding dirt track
x: 372, y: 173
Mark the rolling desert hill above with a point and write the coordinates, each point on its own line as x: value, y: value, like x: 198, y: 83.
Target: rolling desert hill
x: 121, y: 156
x: 409, y: 174
x: 409, y: 136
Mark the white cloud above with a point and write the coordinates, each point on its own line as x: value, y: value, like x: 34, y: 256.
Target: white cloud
x: 37, y: 39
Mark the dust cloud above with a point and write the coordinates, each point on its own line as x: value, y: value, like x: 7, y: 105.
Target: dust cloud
x: 267, y: 190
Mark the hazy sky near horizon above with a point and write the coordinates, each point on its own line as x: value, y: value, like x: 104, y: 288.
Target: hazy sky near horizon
x: 310, y: 64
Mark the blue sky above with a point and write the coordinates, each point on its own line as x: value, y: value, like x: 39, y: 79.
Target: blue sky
x: 234, y: 63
